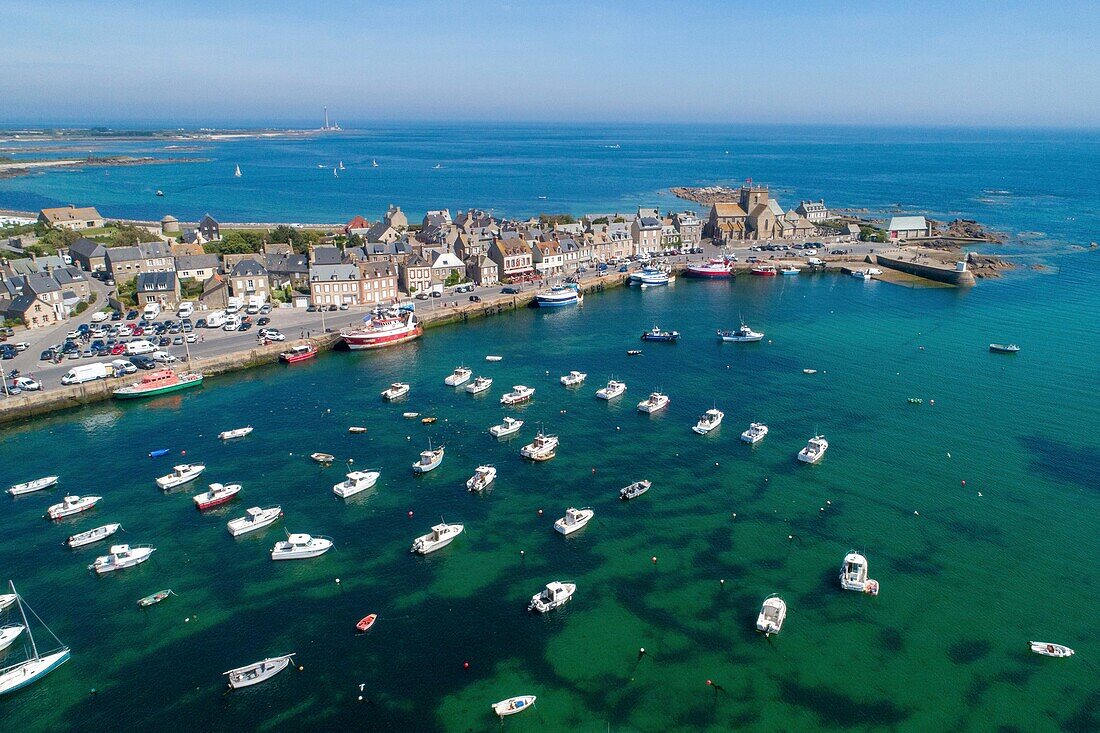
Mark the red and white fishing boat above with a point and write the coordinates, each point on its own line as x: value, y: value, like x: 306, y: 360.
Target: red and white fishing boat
x: 298, y: 353
x: 216, y: 496
x: 366, y: 622
x: 765, y: 270
x: 714, y: 268
x: 388, y: 329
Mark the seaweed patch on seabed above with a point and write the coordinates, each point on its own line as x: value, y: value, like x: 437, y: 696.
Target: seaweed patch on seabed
x: 1062, y: 462
x: 834, y: 708
x: 968, y: 652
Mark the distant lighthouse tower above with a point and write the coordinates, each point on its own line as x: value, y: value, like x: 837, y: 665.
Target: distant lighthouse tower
x: 332, y: 126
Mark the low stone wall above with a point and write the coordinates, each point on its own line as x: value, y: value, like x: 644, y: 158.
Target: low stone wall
x: 932, y: 272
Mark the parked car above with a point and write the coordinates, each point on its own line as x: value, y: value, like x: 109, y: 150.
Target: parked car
x: 332, y: 309
x: 139, y: 331
x: 244, y: 326
x: 118, y: 349
x: 163, y: 357
x: 116, y: 316
x: 201, y: 323
x: 164, y: 341
x: 177, y: 341
x: 272, y: 334
x: 21, y: 346
x: 25, y: 384
x: 509, y: 291
x: 421, y: 296
x: 7, y: 351
x: 47, y: 355
x: 265, y: 308
x: 100, y: 316
x: 263, y: 321
x: 311, y: 308
x: 343, y: 306
x: 123, y: 366
x: 190, y: 338
x: 143, y: 362
x: 475, y: 298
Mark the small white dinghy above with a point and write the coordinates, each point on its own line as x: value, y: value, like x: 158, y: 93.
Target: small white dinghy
x: 122, y: 556
x: 92, y: 535
x: 555, y: 595
x: 772, y: 614
x: 355, y: 482
x: 483, y: 476
x: 8, y: 634
x: 510, y: 426
x: 1050, y: 649
x: 254, y: 674
x: 513, y: 705
x: 300, y: 547
x: 440, y: 536
x: 72, y: 505
x: 493, y: 357
x: 235, y: 433
x: 324, y: 458
x: 254, y: 518
x: 30, y: 486
x: 573, y: 520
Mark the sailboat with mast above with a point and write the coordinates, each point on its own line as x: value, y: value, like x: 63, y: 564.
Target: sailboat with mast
x: 237, y: 172
x: 31, y: 670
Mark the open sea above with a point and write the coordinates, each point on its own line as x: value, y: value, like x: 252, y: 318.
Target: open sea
x: 969, y: 572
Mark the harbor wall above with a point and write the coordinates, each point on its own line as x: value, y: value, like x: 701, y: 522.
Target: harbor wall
x: 948, y: 275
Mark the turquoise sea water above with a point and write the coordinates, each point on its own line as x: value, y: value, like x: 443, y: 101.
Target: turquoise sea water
x: 965, y: 584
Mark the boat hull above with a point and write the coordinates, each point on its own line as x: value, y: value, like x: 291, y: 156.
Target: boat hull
x: 31, y: 671
x: 713, y: 273
x: 549, y: 301
x: 157, y: 391
x: 357, y: 342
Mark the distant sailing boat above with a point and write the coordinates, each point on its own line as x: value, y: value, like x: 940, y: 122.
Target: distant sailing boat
x: 335, y: 174
x: 341, y: 166
x: 373, y: 163
x: 31, y: 670
x: 237, y: 172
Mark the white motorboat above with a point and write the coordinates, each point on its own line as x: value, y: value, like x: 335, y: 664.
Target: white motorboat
x: 853, y: 574
x: 235, y: 433
x: 635, y: 490
x: 217, y: 495
x: 710, y: 419
x: 656, y: 401
x: 518, y: 394
x: 31, y: 486
x: 429, y: 460
x: 92, y: 535
x: 440, y: 536
x: 554, y: 595
x: 755, y: 433
x: 395, y: 391
x: 543, y: 448
x: 1049, y: 649
x: 181, y: 474
x: 458, y: 377
x: 772, y: 613
x: 254, y: 674
x: 612, y: 390
x: 300, y: 547
x: 513, y: 705
x: 9, y: 633
x: 29, y: 671
x: 71, y: 505
x: 814, y: 450
x: 861, y: 275
x: 254, y: 518
x: 355, y: 482
x: 479, y: 385
x: 573, y: 520
x: 483, y: 476
x: 121, y: 557
x: 508, y: 427
x: 572, y: 379
x: 744, y: 334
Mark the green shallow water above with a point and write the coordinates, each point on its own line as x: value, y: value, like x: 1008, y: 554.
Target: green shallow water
x: 965, y: 584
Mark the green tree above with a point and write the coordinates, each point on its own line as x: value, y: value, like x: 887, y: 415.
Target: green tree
x: 453, y: 279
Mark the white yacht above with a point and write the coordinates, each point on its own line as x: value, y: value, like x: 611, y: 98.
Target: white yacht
x: 573, y: 520
x: 755, y: 433
x: 122, y: 556
x: 29, y: 671
x: 355, y: 482
x: 9, y: 633
x: 655, y: 402
x: 635, y: 490
x: 181, y: 474
x: 510, y: 426
x: 235, y: 433
x: 612, y: 390
x: 254, y: 518
x: 554, y: 595
x: 543, y: 448
x: 429, y: 460
x: 710, y: 419
x: 483, y: 476
x: 572, y: 379
x: 92, y: 535
x: 30, y: 486
x: 300, y: 547
x: 395, y: 391
x: 772, y: 613
x: 440, y: 536
x: 254, y: 674
x: 815, y: 448
x: 458, y: 377
x: 71, y: 505
x: 853, y: 575
x: 6, y: 599
x: 513, y: 705
x: 479, y: 385
x: 518, y: 394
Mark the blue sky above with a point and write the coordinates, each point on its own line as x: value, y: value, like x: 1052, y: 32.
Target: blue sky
x: 278, y: 62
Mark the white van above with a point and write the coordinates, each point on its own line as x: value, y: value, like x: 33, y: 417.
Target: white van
x: 235, y: 303
x: 232, y: 323
x: 87, y: 373
x: 152, y: 310
x: 141, y: 346
x: 186, y: 309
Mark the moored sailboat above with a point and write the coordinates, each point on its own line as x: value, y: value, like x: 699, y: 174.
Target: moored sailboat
x: 31, y: 670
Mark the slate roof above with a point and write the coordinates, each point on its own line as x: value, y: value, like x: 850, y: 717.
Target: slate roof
x: 156, y: 282
x: 249, y: 268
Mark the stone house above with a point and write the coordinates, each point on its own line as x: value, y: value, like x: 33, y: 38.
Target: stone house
x: 513, y: 259
x: 158, y: 287
x: 813, y: 211
x: 334, y: 284
x: 690, y: 228
x: 287, y: 269
x: 645, y: 231
x: 396, y: 218
x: 30, y: 309
x: 548, y: 258
x: 210, y: 229
x: 90, y: 255
x: 357, y: 225
x: 482, y: 270
x: 73, y: 280
x: 125, y: 263
x: 249, y: 277
x: 901, y: 228
x: 377, y: 284
x: 415, y: 274
x: 71, y: 217
x: 197, y: 267
x: 444, y: 264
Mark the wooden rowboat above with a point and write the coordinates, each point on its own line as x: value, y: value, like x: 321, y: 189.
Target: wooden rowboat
x: 155, y: 598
